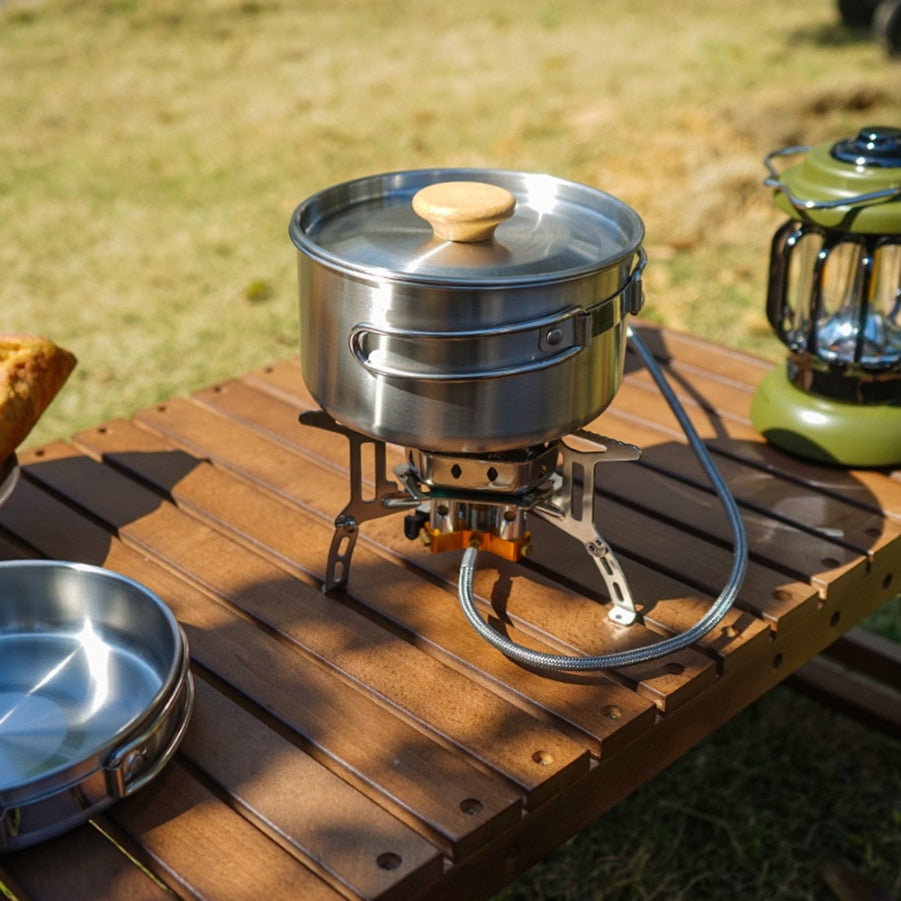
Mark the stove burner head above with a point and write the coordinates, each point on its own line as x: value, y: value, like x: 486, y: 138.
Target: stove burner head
x: 477, y: 500
x: 503, y: 472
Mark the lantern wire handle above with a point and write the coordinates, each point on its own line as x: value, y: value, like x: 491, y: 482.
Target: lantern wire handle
x: 570, y: 663
x: 799, y: 203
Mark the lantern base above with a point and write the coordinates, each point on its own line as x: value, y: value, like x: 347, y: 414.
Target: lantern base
x: 825, y: 430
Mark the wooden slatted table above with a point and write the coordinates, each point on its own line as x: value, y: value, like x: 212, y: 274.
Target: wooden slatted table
x: 368, y: 743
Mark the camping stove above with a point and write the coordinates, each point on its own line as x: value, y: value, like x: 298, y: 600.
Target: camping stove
x: 459, y: 501
x: 477, y: 318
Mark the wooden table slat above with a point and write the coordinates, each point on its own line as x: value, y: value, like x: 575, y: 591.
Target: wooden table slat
x: 89, y: 858
x: 280, y: 788
x: 200, y: 846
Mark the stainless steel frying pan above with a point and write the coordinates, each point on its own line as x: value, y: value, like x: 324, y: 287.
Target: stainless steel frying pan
x: 95, y: 694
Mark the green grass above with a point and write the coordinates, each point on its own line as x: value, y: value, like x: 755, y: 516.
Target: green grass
x: 152, y: 152
x: 777, y: 804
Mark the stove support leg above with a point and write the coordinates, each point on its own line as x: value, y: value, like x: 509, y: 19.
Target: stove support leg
x: 340, y: 551
x: 572, y: 510
x: 382, y: 499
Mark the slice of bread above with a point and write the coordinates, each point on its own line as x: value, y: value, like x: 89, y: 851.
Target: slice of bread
x: 32, y: 370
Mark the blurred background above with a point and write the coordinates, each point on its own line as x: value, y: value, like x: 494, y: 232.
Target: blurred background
x: 151, y: 154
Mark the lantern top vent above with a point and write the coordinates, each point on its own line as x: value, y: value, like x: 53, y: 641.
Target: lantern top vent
x: 878, y: 146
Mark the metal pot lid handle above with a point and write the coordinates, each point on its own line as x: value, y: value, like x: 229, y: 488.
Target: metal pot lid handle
x: 466, y: 212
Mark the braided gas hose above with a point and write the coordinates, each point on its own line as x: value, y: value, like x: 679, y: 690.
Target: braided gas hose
x: 562, y: 662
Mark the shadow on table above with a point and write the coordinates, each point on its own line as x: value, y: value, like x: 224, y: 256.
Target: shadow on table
x: 265, y: 639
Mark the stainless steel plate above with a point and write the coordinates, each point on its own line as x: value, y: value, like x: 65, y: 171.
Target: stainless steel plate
x: 95, y: 693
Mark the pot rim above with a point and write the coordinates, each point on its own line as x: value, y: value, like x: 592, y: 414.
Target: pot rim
x: 588, y: 229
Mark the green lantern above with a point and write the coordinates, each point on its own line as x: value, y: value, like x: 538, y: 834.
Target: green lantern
x: 834, y: 299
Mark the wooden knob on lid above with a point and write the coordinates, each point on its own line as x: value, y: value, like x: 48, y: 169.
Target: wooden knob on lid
x: 464, y: 211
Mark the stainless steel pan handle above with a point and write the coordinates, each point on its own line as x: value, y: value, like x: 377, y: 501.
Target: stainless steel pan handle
x: 470, y: 355
x: 127, y: 768
x: 512, y: 349
x: 491, y: 353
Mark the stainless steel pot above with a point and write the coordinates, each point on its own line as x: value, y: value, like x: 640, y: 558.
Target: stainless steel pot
x: 503, y: 339
x: 95, y: 694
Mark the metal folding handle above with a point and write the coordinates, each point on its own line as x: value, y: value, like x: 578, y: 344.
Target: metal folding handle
x: 543, y: 342
x: 801, y: 204
x: 550, y: 333
x: 126, y: 768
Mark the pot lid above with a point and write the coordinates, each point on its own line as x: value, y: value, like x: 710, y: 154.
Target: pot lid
x: 466, y: 226
x: 853, y: 184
